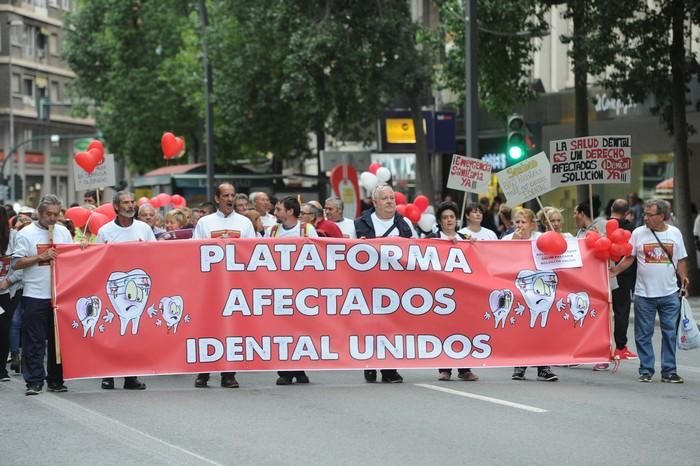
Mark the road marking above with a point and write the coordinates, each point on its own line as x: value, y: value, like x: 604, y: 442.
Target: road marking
x: 488, y: 399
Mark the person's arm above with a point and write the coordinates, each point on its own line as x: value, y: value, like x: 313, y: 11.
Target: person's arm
x: 28, y: 261
x: 683, y: 273
x: 623, y: 265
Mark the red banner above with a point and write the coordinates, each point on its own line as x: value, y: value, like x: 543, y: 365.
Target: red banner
x: 235, y: 305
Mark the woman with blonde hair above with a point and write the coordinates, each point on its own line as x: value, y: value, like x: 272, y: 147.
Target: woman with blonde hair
x: 550, y: 218
x: 254, y: 217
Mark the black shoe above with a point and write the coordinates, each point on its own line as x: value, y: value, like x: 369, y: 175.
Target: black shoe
x: 518, y: 373
x: 14, y: 363
x: 132, y: 383
x: 547, y: 375
x: 227, y: 382
x: 33, y: 389
x: 672, y: 378
x: 57, y: 388
x: 284, y: 380
x: 4, y: 376
x: 107, y: 383
x: 201, y: 382
x: 303, y: 378
x: 391, y: 377
x: 370, y: 376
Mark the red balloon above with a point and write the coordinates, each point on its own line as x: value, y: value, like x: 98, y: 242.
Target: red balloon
x: 178, y: 201
x: 142, y: 200
x: 422, y: 202
x: 591, y: 237
x: 628, y: 249
x: 602, y: 255
x: 97, y: 145
x: 552, y: 242
x: 88, y: 161
x: 617, y: 250
x: 611, y: 226
x: 401, y: 208
x: 603, y: 244
x: 373, y: 167
x: 615, y: 258
x: 172, y: 145
x: 400, y: 198
x: 164, y: 199
x: 413, y: 213
x: 107, y: 210
x: 627, y: 233
x: 155, y: 202
x: 617, y: 236
x: 78, y: 215
x: 96, y: 221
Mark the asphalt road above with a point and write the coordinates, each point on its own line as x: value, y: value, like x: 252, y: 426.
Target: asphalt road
x: 585, y: 418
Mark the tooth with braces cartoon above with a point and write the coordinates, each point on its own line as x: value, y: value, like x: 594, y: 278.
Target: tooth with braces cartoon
x: 172, y: 308
x: 538, y: 289
x: 88, y: 310
x: 501, y: 302
x: 128, y: 292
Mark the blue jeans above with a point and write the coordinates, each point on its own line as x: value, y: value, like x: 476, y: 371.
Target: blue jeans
x: 16, y: 325
x: 645, y: 309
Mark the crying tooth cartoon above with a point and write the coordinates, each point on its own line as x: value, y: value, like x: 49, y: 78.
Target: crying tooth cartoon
x: 578, y: 305
x: 172, y: 309
x: 128, y: 293
x: 538, y: 290
x: 88, y: 310
x: 501, y: 302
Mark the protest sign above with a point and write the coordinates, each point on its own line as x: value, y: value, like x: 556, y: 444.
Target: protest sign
x: 526, y: 180
x: 259, y: 304
x: 102, y: 177
x: 591, y: 160
x: 469, y: 174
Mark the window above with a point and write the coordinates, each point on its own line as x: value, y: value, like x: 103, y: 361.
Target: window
x: 29, y: 41
x: 28, y: 87
x: 40, y: 3
x: 16, y: 33
x: 65, y: 4
x: 34, y: 146
x: 53, y: 3
x: 16, y: 83
x: 53, y: 44
x: 55, y: 95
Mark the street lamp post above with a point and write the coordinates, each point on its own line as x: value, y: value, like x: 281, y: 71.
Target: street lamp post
x: 11, y: 110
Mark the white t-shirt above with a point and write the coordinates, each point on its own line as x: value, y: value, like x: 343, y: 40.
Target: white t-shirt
x: 113, y: 233
x: 218, y: 225
x: 347, y: 227
x: 37, y: 278
x: 268, y: 220
x: 444, y: 236
x: 294, y: 232
x: 381, y: 226
x: 482, y: 234
x: 656, y: 276
x: 533, y: 235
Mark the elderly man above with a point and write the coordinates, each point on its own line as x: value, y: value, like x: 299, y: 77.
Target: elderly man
x: 224, y: 223
x: 147, y: 214
x: 33, y: 253
x: 124, y: 228
x: 383, y: 221
x: 660, y: 253
x: 261, y: 203
x: 312, y: 213
x: 334, y: 208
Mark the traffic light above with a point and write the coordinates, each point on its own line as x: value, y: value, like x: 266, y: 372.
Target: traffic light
x: 516, y: 146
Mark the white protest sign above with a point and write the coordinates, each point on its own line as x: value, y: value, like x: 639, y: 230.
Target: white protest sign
x: 469, y: 174
x: 526, y: 180
x: 569, y: 260
x: 101, y: 177
x: 591, y: 160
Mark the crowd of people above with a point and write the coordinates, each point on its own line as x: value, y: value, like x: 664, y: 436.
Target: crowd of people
x: 25, y: 284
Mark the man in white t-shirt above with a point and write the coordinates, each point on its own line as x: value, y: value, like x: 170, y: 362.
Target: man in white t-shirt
x: 660, y: 252
x: 123, y: 229
x: 334, y: 208
x: 287, y: 211
x: 33, y: 254
x: 224, y: 223
x: 261, y: 203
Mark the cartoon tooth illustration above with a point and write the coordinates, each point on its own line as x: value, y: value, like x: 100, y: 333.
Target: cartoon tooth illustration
x: 538, y: 290
x: 172, y: 308
x: 128, y: 293
x: 88, y: 310
x: 501, y: 302
x: 578, y: 305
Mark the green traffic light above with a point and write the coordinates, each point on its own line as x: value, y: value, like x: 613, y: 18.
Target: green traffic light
x: 515, y: 152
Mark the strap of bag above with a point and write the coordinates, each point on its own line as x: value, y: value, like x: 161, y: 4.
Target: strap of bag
x: 386, y: 233
x: 670, y: 259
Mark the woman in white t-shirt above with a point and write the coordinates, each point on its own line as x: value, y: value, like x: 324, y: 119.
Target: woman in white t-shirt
x: 473, y: 229
x: 526, y: 229
x: 6, y: 281
x: 446, y: 215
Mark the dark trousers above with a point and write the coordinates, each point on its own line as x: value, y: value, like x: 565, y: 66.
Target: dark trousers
x: 205, y: 375
x: 37, y: 329
x: 5, y: 322
x: 290, y: 373
x: 621, y: 301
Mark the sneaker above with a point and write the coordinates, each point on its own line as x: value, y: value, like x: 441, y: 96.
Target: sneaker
x: 4, y: 377
x: 228, y: 382
x: 518, y: 373
x: 57, y: 388
x: 370, y: 376
x: 132, y: 383
x: 547, y: 375
x: 672, y: 378
x: 284, y: 380
x: 107, y: 383
x: 624, y: 353
x: 33, y: 389
x: 15, y: 363
x: 601, y: 367
x: 444, y: 376
x: 303, y: 378
x: 468, y: 376
x: 201, y: 381
x: 645, y: 377
x: 391, y: 377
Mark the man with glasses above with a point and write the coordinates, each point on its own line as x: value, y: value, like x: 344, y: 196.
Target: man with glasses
x: 312, y: 213
x: 660, y: 253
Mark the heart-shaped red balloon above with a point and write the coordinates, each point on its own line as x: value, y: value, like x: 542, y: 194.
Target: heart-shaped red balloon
x: 99, y: 147
x: 591, y: 237
x: 142, y: 200
x: 412, y: 213
x: 602, y: 255
x: 107, y: 210
x: 78, y: 215
x: 400, y: 198
x: 172, y: 145
x: 603, y: 244
x: 88, y: 161
x: 178, y: 201
x: 163, y: 199
x: 610, y: 226
x: 373, y: 167
x: 422, y: 202
x: 155, y: 202
x: 552, y: 243
x: 401, y: 209
x: 617, y: 236
x: 96, y: 221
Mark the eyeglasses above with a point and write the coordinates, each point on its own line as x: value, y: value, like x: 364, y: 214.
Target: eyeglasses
x: 307, y: 213
x: 651, y: 214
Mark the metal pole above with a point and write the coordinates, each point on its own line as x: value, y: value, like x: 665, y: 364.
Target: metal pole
x: 209, y: 115
x: 12, y: 122
x: 471, y: 73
